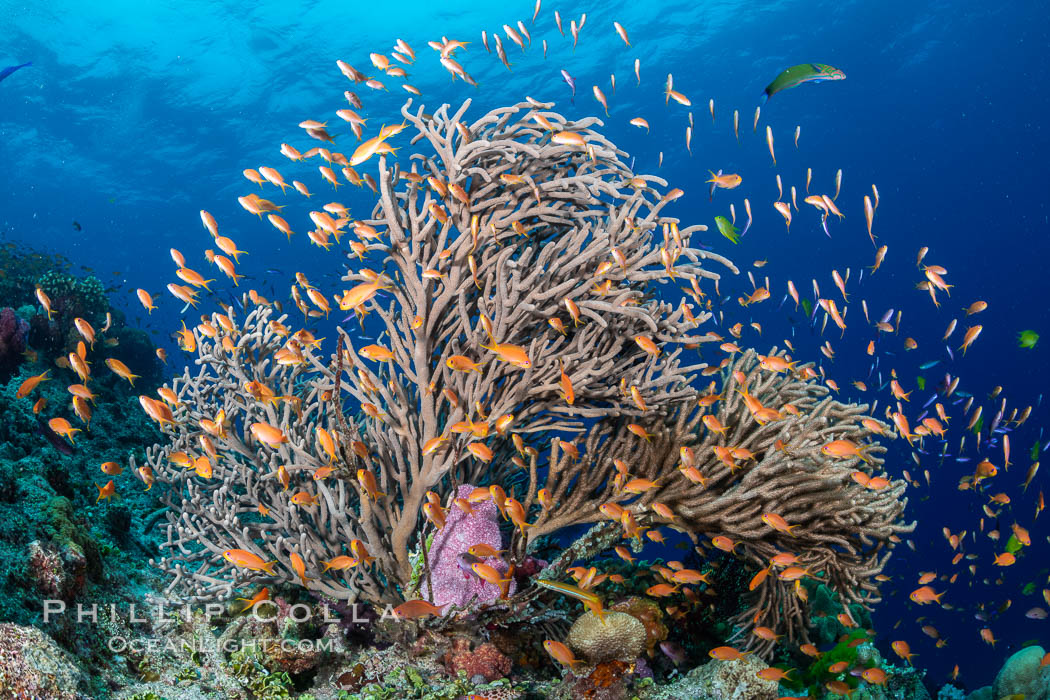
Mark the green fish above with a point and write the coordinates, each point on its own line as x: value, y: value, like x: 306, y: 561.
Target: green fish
x: 807, y: 306
x: 1029, y: 588
x: 1027, y: 339
x: 1013, y: 545
x: 978, y: 425
x: 1035, y: 451
x: 727, y: 229
x: 803, y: 73
x: 921, y: 382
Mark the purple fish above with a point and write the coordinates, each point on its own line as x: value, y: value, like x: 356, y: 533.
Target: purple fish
x: 886, y: 316
x: 466, y: 562
x: 54, y: 438
x: 572, y: 83
x: 674, y: 652
x: 11, y: 69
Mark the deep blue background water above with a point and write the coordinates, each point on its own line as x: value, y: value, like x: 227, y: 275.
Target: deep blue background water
x: 136, y: 115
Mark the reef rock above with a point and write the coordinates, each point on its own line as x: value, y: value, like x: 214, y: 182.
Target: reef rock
x: 58, y: 574
x: 452, y: 585
x: 720, y: 680
x: 1022, y: 674
x: 621, y: 637
x: 650, y: 614
x: 486, y: 660
x: 33, y: 666
x: 13, y: 332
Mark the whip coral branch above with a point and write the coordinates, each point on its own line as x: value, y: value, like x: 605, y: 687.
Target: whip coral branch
x: 525, y: 334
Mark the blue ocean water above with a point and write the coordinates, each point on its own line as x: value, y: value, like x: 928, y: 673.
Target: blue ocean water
x: 134, y: 116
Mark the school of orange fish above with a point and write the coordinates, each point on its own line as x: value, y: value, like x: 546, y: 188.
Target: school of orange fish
x: 332, y: 220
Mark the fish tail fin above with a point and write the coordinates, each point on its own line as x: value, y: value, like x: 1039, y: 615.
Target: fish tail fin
x: 268, y: 567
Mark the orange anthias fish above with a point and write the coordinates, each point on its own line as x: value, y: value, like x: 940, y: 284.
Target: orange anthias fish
x: 259, y: 597
x: 511, y: 354
x: 726, y: 182
x: 415, y: 609
x: 727, y: 653
x: 902, y: 650
x: 844, y: 449
x: 247, y: 560
x: 105, y: 491
x: 27, y: 387
x: 778, y: 523
x: 924, y: 595
x: 561, y: 653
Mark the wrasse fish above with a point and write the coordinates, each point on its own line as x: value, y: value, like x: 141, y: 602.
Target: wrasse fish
x: 802, y: 73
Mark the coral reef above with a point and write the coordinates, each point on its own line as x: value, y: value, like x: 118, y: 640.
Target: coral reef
x: 1022, y: 674
x: 721, y: 680
x: 33, y: 666
x: 617, y: 636
x: 58, y: 542
x: 13, y: 332
x: 57, y: 574
x: 485, y: 661
x: 650, y: 614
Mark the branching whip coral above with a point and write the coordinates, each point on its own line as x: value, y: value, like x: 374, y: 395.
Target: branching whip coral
x: 527, y: 343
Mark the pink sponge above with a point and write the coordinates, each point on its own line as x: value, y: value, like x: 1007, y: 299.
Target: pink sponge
x: 452, y: 585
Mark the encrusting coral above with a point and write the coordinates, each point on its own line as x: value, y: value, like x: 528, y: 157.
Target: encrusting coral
x: 525, y: 346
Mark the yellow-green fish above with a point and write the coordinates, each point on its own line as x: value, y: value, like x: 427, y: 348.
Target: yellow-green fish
x: 1027, y: 339
x: 727, y: 229
x: 802, y: 73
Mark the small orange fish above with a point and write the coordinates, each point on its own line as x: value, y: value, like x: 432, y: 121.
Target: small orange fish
x: 727, y: 181
x: 561, y: 653
x: 27, y: 387
x: 415, y: 609
x: 901, y: 648
x: 106, y: 491
x: 727, y: 653
x: 247, y: 560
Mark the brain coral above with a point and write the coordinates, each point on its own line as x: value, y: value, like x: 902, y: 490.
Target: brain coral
x: 622, y: 637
